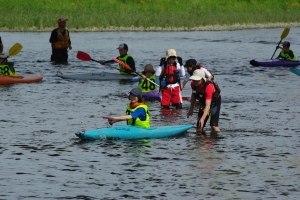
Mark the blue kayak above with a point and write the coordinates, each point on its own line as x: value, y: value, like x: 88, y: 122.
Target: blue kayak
x: 133, y: 132
x: 275, y: 63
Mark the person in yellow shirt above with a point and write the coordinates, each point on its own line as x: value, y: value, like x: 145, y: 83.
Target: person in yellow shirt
x: 6, y: 68
x: 286, y: 53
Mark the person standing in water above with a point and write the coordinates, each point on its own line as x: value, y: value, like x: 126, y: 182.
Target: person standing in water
x: 60, y: 42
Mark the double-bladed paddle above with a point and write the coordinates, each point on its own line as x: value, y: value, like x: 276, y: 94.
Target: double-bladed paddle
x: 283, y: 35
x: 14, y: 50
x: 84, y: 56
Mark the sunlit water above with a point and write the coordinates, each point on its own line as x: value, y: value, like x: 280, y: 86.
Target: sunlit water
x: 256, y: 155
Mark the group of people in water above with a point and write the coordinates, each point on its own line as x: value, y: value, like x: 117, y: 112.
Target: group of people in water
x: 165, y: 79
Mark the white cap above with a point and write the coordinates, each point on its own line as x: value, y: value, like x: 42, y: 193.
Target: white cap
x: 198, y: 75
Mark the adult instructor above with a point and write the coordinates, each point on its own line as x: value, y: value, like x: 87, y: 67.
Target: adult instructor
x: 60, y: 42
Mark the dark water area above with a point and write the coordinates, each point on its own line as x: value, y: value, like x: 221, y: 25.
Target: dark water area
x: 255, y: 156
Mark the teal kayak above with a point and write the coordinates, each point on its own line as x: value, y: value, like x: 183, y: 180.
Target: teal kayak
x: 125, y: 132
x: 295, y: 71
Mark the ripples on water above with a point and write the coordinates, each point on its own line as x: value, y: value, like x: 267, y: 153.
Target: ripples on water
x: 254, y: 157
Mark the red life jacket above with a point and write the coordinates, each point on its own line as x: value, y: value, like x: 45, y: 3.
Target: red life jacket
x: 170, y: 74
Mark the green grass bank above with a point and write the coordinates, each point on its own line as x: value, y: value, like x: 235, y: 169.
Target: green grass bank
x: 148, y: 15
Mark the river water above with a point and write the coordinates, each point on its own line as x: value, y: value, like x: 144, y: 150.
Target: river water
x: 256, y: 155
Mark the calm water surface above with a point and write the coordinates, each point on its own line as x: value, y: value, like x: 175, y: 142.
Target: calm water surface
x: 256, y: 155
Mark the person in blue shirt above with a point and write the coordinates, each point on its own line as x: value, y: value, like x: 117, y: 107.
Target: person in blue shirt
x: 137, y: 113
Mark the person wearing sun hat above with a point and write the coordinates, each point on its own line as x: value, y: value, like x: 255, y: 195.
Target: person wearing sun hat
x: 124, y: 57
x: 144, y: 84
x: 209, y: 96
x: 286, y: 53
x: 137, y: 113
x: 168, y: 73
x: 191, y: 65
x: 60, y: 42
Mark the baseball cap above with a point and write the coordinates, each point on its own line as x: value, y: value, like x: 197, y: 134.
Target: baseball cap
x: 198, y: 75
x: 3, y: 55
x: 62, y: 20
x: 190, y: 62
x: 136, y: 92
x: 171, y: 52
x: 123, y: 46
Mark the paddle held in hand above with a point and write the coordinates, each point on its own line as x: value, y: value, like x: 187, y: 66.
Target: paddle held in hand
x: 127, y: 67
x: 283, y: 35
x: 14, y: 50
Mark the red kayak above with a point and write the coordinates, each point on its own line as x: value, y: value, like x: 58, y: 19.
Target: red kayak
x: 27, y: 78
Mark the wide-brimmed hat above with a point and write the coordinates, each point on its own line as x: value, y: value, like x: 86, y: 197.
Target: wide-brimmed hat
x: 123, y: 46
x: 148, y: 68
x: 170, y: 53
x: 3, y: 55
x: 190, y: 62
x: 62, y: 20
x: 136, y: 92
x: 198, y: 75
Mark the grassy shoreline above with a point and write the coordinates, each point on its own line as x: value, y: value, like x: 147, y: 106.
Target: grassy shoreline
x: 149, y: 15
x: 160, y: 29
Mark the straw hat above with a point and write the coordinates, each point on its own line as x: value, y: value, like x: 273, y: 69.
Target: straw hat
x: 148, y: 68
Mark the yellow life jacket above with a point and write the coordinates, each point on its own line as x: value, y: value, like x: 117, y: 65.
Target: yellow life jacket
x: 63, y: 40
x: 147, y: 86
x: 124, y: 59
x: 8, y: 69
x: 138, y: 122
x: 286, y: 56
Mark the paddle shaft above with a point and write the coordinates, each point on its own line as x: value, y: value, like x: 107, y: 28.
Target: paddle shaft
x: 127, y: 67
x: 276, y: 49
x: 284, y: 33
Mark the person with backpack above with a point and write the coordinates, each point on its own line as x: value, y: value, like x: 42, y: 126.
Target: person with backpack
x: 209, y: 95
x: 169, y: 73
x: 191, y: 65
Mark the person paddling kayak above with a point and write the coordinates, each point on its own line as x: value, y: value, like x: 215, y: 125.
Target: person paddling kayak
x: 286, y: 53
x: 124, y: 57
x: 137, y: 113
x: 7, y: 68
x: 144, y: 84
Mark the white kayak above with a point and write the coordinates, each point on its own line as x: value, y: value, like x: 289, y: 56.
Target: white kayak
x: 101, y: 76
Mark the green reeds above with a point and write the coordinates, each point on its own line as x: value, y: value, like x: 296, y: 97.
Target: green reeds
x: 39, y: 15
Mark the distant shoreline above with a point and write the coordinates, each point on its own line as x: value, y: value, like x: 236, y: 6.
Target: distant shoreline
x: 159, y: 29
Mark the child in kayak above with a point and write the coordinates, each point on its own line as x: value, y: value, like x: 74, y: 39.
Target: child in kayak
x: 144, y: 84
x: 137, y: 113
x: 6, y: 68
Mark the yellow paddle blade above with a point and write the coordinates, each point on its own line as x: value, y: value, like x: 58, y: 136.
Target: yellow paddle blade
x: 285, y: 33
x: 14, y: 50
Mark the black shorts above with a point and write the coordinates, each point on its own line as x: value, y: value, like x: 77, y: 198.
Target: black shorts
x: 214, y: 114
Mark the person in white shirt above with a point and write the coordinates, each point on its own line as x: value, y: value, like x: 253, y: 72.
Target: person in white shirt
x: 169, y: 73
x: 191, y: 65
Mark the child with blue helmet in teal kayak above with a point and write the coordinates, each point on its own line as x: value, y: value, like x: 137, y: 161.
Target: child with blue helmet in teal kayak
x: 137, y: 113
